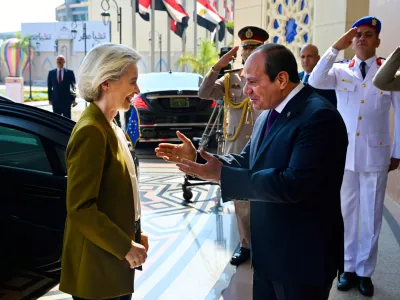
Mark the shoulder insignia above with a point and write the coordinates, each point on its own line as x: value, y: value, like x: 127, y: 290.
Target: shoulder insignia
x: 344, y: 61
x: 235, y: 85
x: 233, y: 70
x: 351, y: 64
x: 379, y: 61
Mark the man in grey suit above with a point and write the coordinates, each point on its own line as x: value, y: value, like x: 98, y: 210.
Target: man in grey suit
x: 61, y: 88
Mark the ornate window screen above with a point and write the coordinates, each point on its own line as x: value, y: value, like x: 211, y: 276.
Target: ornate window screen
x: 289, y: 22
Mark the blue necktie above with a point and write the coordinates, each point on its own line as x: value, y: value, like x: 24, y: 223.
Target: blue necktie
x: 271, y: 119
x: 362, y: 68
x: 306, y: 78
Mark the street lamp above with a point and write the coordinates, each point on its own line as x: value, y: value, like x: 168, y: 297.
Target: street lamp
x: 30, y: 68
x: 74, y: 32
x: 159, y: 43
x: 105, y: 15
x: 37, y: 48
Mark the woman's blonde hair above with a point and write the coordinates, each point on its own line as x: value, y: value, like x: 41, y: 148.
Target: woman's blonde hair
x: 103, y: 62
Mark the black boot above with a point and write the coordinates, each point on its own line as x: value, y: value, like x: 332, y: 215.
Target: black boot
x: 365, y: 286
x: 347, y: 281
x: 242, y: 255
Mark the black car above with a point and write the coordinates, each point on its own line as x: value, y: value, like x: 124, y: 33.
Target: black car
x: 169, y: 102
x: 33, y: 182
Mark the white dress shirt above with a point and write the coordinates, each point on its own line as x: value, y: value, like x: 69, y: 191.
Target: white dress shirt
x: 293, y: 93
x: 131, y: 167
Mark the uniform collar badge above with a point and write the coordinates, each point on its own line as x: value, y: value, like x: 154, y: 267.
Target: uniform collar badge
x: 351, y: 64
x: 379, y: 62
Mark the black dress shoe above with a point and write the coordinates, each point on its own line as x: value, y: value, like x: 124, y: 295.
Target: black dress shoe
x: 366, y: 287
x: 239, y: 257
x: 347, y: 281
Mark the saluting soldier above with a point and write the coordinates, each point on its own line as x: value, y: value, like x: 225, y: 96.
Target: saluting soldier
x: 239, y: 118
x: 365, y: 110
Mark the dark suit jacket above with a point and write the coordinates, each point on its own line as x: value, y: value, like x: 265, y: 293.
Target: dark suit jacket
x: 293, y: 179
x: 64, y: 93
x: 330, y: 95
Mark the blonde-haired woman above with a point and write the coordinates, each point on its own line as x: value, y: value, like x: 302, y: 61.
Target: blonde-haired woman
x: 103, y: 241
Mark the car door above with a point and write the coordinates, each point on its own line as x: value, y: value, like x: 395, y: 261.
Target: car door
x: 33, y: 189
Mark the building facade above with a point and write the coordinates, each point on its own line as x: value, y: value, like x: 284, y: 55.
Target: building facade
x: 73, y: 10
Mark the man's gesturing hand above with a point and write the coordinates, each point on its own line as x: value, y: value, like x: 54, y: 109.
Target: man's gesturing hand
x: 210, y: 171
x: 175, y: 153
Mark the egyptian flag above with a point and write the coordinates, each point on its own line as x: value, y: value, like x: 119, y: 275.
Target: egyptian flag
x: 143, y: 8
x: 208, y: 18
x: 179, y: 18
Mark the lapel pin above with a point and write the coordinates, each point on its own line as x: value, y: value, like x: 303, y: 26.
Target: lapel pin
x: 288, y: 114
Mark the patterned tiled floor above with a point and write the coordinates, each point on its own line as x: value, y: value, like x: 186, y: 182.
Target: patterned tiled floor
x: 190, y: 245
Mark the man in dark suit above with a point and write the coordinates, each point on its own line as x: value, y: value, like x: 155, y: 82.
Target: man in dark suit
x: 309, y: 58
x: 61, y: 88
x: 291, y: 170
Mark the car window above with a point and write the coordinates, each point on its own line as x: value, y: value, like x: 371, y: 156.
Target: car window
x: 62, y: 156
x: 23, y: 150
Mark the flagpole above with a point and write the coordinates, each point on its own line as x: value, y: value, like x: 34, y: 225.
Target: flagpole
x: 184, y: 36
x: 169, y: 43
x: 217, y: 28
x: 134, y: 24
x: 153, y: 5
x: 233, y: 19
x: 226, y: 18
x: 195, y: 28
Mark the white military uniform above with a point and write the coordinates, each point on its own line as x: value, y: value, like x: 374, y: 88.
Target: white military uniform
x: 366, y: 112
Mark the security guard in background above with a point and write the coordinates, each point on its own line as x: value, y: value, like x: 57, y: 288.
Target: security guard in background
x: 365, y: 110
x: 239, y: 118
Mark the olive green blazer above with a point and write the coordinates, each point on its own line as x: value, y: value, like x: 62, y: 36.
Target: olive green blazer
x: 100, y: 221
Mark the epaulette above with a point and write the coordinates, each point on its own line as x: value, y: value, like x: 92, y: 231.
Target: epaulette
x: 380, y: 60
x: 344, y: 61
x: 233, y: 70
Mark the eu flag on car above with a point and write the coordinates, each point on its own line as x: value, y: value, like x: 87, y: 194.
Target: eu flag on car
x: 133, y: 127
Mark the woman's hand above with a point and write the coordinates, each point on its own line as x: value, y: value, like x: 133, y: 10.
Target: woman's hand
x: 175, y: 153
x: 144, y: 240
x: 137, y: 255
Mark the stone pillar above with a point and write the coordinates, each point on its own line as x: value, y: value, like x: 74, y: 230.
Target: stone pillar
x: 387, y: 12
x: 333, y: 18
